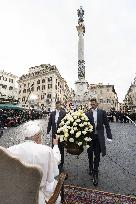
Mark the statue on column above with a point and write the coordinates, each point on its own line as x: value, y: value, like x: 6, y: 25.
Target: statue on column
x: 80, y: 13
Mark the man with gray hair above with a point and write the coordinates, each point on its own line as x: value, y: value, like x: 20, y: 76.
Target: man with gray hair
x: 33, y: 152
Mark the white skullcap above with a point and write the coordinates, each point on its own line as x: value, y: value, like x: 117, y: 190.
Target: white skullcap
x: 31, y: 130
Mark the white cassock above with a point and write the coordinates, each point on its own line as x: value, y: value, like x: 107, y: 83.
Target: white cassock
x: 45, y: 157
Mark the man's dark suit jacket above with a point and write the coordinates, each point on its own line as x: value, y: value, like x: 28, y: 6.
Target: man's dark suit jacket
x: 102, y: 121
x: 52, y: 124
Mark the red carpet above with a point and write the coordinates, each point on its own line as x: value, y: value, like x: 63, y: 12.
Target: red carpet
x: 77, y: 195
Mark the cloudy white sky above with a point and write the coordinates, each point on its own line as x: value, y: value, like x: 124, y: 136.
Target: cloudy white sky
x: 34, y: 32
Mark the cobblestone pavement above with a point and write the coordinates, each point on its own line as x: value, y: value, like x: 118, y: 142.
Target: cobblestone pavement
x: 117, y: 171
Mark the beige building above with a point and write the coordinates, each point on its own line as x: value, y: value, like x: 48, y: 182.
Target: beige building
x: 42, y: 86
x: 105, y: 94
x: 130, y: 98
x: 8, y: 86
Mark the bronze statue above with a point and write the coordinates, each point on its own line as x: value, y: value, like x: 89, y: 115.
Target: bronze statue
x: 80, y: 13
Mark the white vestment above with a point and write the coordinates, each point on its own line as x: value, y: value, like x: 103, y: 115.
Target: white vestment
x: 45, y: 157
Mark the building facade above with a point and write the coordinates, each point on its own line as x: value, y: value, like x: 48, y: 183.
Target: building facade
x: 130, y: 98
x: 8, y: 88
x: 105, y: 95
x: 42, y: 86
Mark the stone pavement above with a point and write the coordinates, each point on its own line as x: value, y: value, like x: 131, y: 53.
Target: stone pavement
x: 117, y: 169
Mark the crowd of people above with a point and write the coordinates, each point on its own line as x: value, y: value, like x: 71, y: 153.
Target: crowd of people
x: 121, y: 116
x: 15, y: 117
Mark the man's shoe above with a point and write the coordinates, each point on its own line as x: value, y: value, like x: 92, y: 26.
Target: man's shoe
x: 95, y: 179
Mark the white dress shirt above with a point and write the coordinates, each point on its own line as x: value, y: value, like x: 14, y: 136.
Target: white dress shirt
x: 48, y: 160
x: 57, y: 116
x: 95, y: 118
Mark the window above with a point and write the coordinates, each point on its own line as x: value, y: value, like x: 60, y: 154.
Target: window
x: 49, y: 79
x: 32, y: 89
x: 38, y: 88
x: 23, y: 99
x: 49, y: 86
x: 11, y: 88
x: 24, y: 91
x: 10, y: 80
x: 49, y: 96
x: 101, y: 100
x: 38, y: 82
x: 43, y: 87
x: 108, y: 100
x: 42, y: 97
x: 43, y: 80
x: 4, y: 86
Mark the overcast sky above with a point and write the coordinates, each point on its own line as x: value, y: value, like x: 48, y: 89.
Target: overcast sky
x: 34, y: 32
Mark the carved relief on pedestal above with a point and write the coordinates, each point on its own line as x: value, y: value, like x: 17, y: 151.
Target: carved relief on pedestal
x: 81, y: 69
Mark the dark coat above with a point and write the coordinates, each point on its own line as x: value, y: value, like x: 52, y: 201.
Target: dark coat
x: 52, y: 125
x: 102, y: 121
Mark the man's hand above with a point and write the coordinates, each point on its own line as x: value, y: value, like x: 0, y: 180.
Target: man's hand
x: 55, y: 141
x: 109, y: 140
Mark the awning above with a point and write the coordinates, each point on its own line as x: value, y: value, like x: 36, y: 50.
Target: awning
x: 10, y: 106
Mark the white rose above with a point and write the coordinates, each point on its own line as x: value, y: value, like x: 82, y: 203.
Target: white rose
x: 61, y: 138
x: 72, y: 131
x: 71, y: 119
x: 81, y: 125
x: 65, y: 138
x: 87, y: 146
x: 59, y: 130
x: 90, y: 130
x: 71, y: 139
x: 75, y: 128
x: 75, y: 116
x: 62, y: 123
x: 79, y: 143
x: 73, y: 113
x: 74, y: 124
x: 82, y: 118
x: 65, y: 130
x: 78, y: 120
x: 85, y: 123
x: 86, y: 129
x: 78, y: 134
x: 68, y: 122
x: 86, y: 119
x: 66, y: 134
x: 88, y: 139
x: 84, y: 132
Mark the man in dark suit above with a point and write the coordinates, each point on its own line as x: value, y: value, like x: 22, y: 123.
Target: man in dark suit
x: 98, y: 140
x: 53, y: 124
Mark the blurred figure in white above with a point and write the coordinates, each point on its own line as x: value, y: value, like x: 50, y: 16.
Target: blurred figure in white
x: 33, y: 152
